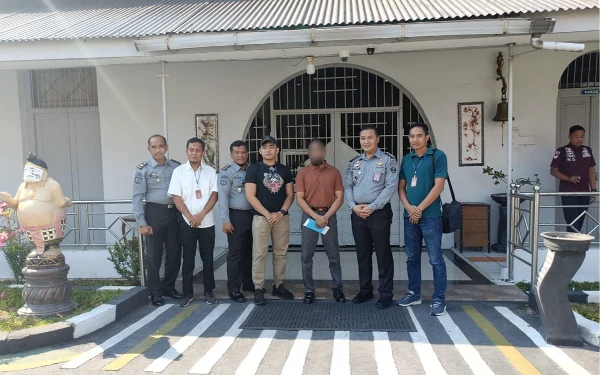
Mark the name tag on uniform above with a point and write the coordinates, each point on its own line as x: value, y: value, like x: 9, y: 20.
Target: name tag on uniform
x: 198, y: 194
x: 376, y: 176
x: 413, y: 181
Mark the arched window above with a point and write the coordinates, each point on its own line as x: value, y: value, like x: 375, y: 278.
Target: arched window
x: 582, y: 72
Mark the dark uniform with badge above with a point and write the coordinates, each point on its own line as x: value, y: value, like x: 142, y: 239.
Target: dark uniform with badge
x: 236, y: 210
x: 574, y: 161
x: 373, y: 182
x: 151, y: 183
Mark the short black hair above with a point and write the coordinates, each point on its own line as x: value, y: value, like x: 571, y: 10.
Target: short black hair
x: 576, y: 128
x: 369, y: 127
x: 315, y: 140
x: 238, y: 143
x: 159, y: 136
x: 421, y: 125
x: 195, y: 140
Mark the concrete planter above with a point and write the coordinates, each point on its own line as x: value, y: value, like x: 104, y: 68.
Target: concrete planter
x: 566, y: 254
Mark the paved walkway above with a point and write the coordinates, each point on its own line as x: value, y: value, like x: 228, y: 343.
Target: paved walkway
x: 477, y: 338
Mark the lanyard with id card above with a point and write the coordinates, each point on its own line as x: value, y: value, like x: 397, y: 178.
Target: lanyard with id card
x: 197, y: 178
x: 413, y: 181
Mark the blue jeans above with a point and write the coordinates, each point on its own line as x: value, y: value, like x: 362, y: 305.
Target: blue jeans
x: 430, y: 230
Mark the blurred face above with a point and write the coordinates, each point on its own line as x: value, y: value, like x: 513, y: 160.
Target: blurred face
x: 157, y: 148
x: 369, y: 140
x: 269, y: 151
x: 317, y: 153
x: 32, y: 173
x: 418, y: 139
x: 577, y: 138
x: 195, y: 152
x: 239, y: 155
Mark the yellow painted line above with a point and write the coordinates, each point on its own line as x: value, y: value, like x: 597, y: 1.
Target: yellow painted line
x: 510, y: 352
x: 149, y: 341
x: 31, y: 362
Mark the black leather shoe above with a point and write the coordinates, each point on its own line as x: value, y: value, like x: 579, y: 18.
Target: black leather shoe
x: 363, y: 297
x: 384, y: 303
x: 338, y: 295
x: 172, y: 294
x: 237, y: 297
x: 309, y: 298
x: 157, y: 301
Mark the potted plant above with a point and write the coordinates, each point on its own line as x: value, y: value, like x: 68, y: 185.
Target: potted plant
x: 500, y: 198
x: 499, y: 177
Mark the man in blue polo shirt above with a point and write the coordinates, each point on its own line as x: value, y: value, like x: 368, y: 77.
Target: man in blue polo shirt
x: 419, y: 188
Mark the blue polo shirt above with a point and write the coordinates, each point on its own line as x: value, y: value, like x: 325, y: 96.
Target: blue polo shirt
x: 423, y: 168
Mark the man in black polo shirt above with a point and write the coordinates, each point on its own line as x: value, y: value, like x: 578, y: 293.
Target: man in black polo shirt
x: 270, y: 192
x: 573, y: 165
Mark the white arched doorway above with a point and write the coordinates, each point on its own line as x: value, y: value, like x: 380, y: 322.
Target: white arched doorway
x: 332, y: 105
x: 578, y: 104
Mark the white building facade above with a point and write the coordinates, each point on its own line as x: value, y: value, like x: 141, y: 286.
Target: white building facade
x: 86, y: 105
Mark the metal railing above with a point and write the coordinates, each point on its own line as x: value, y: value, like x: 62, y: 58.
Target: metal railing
x: 525, y: 223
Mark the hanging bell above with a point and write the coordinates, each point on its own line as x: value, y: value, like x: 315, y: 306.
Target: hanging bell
x: 501, y: 111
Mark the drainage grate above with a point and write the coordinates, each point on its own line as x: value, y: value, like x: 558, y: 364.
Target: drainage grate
x: 328, y: 316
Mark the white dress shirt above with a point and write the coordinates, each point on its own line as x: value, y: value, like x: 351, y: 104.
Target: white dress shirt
x: 184, y: 183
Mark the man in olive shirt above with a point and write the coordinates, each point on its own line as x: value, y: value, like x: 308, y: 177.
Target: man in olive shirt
x: 573, y: 165
x: 320, y: 193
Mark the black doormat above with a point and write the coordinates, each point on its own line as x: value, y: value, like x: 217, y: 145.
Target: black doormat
x: 328, y: 316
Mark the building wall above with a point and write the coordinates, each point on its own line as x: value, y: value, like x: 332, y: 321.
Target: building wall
x: 11, y: 149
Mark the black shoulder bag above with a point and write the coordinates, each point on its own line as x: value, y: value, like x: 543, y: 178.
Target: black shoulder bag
x: 451, y: 212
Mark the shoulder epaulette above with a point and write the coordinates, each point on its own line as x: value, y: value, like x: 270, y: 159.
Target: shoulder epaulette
x: 142, y: 164
x: 354, y: 158
x: 175, y: 161
x: 390, y: 155
x: 225, y: 167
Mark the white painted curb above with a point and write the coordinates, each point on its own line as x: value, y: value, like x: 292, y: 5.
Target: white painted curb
x: 588, y: 330
x: 92, y: 321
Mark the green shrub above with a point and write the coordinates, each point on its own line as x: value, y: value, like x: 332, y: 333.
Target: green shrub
x: 15, y: 253
x: 126, y: 259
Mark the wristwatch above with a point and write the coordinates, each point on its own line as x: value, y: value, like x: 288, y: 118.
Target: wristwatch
x: 284, y: 212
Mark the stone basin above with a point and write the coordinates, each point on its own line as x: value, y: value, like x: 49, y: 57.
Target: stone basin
x: 566, y: 241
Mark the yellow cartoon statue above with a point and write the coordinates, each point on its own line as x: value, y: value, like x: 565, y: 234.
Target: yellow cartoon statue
x: 41, y: 207
x: 41, y: 213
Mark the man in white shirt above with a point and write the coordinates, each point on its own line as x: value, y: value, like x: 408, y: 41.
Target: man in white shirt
x: 194, y: 190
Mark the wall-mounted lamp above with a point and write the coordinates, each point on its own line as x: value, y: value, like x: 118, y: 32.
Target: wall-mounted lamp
x: 310, y: 67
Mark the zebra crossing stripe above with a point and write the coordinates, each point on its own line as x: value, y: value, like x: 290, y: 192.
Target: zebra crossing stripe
x: 558, y: 356
x: 161, y: 363
x: 510, y: 352
x: 297, y: 357
x: 149, y: 341
x: 340, y: 358
x: 99, y: 349
x: 429, y: 360
x: 210, y: 359
x: 464, y: 347
x: 249, y: 365
x: 383, y: 354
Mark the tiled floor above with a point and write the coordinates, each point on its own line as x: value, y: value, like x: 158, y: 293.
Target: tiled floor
x: 490, y: 263
x: 350, y: 268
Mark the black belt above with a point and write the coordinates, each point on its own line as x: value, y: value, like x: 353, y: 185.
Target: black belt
x: 160, y: 205
x: 235, y: 209
x: 319, y: 209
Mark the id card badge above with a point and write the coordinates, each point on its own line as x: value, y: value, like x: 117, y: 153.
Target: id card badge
x: 413, y: 181
x: 198, y: 194
x: 376, y: 177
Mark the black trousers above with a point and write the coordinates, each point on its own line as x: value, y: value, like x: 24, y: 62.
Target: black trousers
x: 571, y: 213
x: 163, y: 221
x: 204, y: 239
x: 239, y: 257
x: 373, y: 234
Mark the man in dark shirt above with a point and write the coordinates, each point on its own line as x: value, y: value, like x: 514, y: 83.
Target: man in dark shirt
x: 270, y: 192
x: 573, y: 165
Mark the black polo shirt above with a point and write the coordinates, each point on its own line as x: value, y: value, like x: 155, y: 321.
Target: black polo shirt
x: 270, y: 184
x: 574, y: 161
